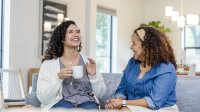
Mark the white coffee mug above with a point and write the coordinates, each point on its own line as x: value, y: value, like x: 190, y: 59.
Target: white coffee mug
x: 77, y: 72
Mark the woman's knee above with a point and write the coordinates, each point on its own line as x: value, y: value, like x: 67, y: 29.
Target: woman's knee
x: 63, y: 104
x: 88, y: 105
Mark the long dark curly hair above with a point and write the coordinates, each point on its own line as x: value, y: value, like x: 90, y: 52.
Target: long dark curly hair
x: 157, y: 47
x: 55, y: 47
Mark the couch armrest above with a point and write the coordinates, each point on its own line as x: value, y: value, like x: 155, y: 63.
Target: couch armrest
x: 31, y: 99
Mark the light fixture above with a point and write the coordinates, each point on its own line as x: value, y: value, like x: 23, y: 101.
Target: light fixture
x: 192, y: 19
x: 181, y: 20
x: 175, y: 16
x: 168, y: 11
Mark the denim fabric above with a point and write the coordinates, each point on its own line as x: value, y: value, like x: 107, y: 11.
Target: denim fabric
x: 63, y: 104
x: 66, y: 104
x: 157, y: 86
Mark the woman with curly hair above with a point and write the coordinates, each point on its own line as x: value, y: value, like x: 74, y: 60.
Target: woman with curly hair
x: 149, y: 80
x: 56, y: 86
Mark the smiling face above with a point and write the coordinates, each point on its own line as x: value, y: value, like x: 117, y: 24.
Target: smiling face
x: 136, y: 47
x: 72, y: 37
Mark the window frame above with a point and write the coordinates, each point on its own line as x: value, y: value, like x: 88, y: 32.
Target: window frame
x: 188, y: 48
x: 185, y: 47
x: 1, y: 32
x: 111, y: 13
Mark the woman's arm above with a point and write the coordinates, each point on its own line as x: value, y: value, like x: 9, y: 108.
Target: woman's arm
x: 48, y: 84
x: 96, y: 78
x: 120, y: 92
x: 139, y: 102
x: 161, y: 89
x: 98, y: 84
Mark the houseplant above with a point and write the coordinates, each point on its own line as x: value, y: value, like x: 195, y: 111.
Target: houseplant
x: 157, y: 24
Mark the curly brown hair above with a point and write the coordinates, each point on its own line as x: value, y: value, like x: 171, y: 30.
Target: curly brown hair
x: 157, y: 47
x: 55, y: 47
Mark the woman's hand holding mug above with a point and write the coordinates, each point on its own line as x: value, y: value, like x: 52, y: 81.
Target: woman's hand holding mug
x: 66, y: 72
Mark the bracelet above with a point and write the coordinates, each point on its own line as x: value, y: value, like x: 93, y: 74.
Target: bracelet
x: 123, y: 102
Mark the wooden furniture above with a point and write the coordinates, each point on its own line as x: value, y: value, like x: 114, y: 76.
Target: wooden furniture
x: 186, y: 73
x: 30, y: 73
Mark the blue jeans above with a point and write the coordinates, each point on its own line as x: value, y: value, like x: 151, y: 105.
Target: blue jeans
x: 66, y: 104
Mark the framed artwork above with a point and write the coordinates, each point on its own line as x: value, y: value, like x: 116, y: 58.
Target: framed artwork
x: 53, y: 13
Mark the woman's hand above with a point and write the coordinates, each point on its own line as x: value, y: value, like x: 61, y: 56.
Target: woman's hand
x: 65, y: 73
x: 114, y: 103
x: 91, y: 67
x: 110, y: 104
x: 118, y: 103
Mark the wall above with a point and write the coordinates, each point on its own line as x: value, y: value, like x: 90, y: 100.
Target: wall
x: 24, y: 29
x: 24, y: 35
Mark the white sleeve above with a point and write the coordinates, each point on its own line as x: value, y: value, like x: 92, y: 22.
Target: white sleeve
x: 48, y: 84
x: 98, y: 84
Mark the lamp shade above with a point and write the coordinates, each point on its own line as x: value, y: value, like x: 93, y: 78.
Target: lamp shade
x: 192, y: 19
x: 181, y: 21
x: 175, y: 16
x: 168, y: 11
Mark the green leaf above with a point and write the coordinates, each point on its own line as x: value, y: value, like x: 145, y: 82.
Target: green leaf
x: 157, y: 24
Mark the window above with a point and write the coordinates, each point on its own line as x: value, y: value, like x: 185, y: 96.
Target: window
x: 192, y: 45
x: 1, y: 36
x: 104, y: 37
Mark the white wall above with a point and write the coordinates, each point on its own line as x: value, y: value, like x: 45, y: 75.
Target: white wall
x: 131, y: 15
x: 155, y: 11
x: 24, y: 35
x: 24, y: 29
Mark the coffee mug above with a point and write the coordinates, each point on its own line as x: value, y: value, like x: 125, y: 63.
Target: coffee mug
x: 77, y: 72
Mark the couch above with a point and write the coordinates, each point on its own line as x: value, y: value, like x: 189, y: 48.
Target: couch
x: 188, y: 91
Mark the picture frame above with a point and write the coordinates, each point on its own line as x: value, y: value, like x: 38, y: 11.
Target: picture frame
x: 52, y: 14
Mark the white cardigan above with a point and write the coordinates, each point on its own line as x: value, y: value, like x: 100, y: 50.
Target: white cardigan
x: 49, y: 86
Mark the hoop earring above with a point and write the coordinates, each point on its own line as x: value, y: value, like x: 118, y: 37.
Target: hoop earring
x: 79, y: 47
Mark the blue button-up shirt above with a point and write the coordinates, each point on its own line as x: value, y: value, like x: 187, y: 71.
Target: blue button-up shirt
x: 158, y: 85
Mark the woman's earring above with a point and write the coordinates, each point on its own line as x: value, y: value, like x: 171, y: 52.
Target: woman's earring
x: 79, y: 48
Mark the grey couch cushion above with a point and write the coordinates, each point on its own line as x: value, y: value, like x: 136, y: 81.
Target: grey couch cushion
x: 31, y: 99
x: 188, y: 93
x: 34, y: 82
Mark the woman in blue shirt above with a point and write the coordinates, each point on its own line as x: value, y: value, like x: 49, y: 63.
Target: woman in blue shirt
x: 149, y: 80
